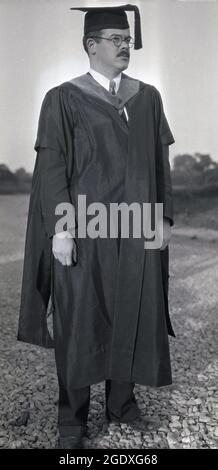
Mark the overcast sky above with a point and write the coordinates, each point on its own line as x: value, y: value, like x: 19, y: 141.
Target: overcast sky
x: 40, y: 47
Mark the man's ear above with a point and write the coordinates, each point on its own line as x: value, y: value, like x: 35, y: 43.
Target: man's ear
x: 91, y: 46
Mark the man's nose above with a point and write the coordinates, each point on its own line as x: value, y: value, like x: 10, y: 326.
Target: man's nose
x: 124, y: 45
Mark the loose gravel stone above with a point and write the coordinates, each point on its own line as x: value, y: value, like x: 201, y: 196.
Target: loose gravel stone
x: 3, y: 442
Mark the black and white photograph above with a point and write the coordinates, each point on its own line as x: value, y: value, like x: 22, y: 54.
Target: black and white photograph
x: 109, y: 226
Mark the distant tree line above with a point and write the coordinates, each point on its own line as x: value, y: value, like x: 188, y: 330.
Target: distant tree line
x: 198, y: 173
x: 195, y: 171
x: 195, y: 187
x: 17, y: 182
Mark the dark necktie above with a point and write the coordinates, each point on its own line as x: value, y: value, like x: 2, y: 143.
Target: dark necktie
x: 123, y: 115
x: 112, y: 87
x: 112, y: 90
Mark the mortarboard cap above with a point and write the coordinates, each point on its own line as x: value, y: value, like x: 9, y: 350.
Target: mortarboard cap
x: 98, y: 18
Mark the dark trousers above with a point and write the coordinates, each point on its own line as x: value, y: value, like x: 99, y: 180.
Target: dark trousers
x: 73, y: 407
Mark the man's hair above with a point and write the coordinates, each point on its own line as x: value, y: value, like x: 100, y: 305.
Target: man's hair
x: 94, y: 34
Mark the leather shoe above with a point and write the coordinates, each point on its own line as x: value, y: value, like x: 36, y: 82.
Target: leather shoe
x: 144, y: 424
x: 140, y: 423
x: 134, y: 413
x: 70, y: 442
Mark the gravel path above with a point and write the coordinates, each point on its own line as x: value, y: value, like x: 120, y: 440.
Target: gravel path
x: 185, y: 413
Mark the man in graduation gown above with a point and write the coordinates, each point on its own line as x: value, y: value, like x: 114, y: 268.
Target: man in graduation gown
x: 103, y: 135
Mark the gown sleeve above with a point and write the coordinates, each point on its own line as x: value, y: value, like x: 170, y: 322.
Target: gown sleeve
x: 51, y: 147
x: 163, y: 171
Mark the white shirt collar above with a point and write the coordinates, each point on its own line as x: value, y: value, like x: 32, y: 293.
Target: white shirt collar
x: 104, y: 81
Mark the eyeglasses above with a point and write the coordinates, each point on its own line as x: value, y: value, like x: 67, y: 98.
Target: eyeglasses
x: 117, y: 40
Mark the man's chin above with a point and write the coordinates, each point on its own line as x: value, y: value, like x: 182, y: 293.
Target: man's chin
x: 123, y: 63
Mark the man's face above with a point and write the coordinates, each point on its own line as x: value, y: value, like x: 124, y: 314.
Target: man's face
x: 110, y: 55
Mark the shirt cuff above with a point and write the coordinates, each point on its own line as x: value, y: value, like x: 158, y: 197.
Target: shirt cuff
x: 70, y: 233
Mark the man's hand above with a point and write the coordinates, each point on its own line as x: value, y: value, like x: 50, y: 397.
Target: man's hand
x: 166, y: 233
x: 64, y: 249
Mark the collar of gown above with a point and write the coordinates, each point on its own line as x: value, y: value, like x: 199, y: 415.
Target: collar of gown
x: 104, y: 81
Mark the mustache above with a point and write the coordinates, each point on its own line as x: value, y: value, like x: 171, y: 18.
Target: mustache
x: 123, y: 54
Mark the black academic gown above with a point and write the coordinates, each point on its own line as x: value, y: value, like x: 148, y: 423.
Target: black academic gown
x: 116, y: 319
